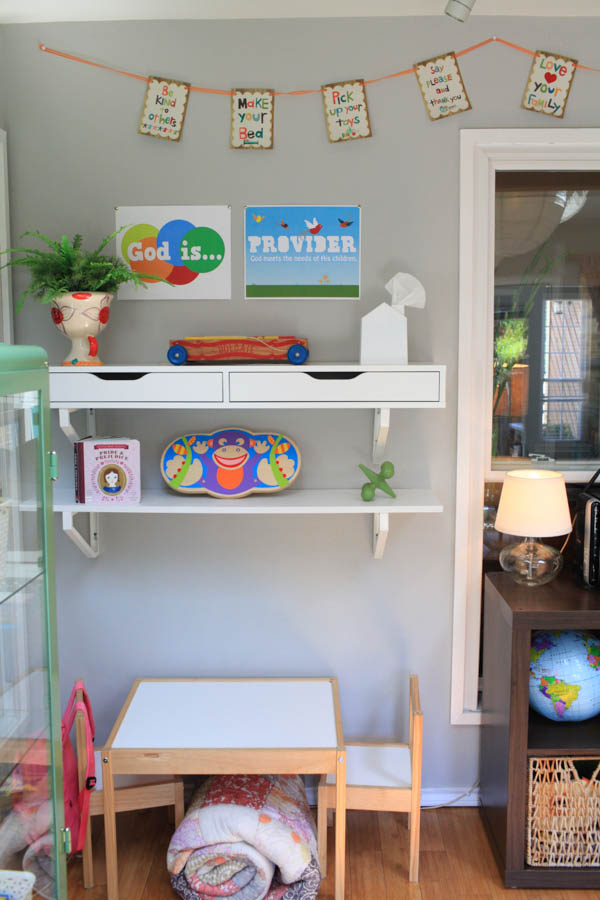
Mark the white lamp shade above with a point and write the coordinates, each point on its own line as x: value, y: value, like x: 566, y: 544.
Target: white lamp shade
x: 533, y: 503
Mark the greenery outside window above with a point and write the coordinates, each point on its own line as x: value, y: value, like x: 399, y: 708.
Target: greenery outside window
x: 546, y: 360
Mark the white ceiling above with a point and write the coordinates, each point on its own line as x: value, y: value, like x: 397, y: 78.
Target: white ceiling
x: 109, y: 10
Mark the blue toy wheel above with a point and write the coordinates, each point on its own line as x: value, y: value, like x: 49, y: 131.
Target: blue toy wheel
x: 297, y: 354
x: 177, y: 355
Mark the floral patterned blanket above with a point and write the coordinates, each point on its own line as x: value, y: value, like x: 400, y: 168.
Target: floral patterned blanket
x: 248, y: 837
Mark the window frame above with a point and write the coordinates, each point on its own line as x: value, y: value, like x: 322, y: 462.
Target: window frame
x: 6, y: 323
x: 483, y: 152
x: 582, y: 358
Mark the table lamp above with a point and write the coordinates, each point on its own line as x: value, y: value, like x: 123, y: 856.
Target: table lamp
x: 533, y: 502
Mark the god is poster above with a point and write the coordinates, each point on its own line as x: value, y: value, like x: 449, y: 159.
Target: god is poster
x: 302, y: 252
x: 189, y: 247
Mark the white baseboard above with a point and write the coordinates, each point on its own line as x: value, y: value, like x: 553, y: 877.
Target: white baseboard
x: 444, y: 797
x: 429, y: 796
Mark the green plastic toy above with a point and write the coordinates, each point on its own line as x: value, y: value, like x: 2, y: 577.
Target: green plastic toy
x: 377, y: 481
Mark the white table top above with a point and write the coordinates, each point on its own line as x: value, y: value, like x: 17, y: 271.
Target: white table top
x: 212, y: 714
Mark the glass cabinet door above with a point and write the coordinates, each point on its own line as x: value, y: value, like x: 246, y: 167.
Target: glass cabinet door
x: 31, y: 812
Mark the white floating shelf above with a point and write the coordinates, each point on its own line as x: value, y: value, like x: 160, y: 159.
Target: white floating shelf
x: 265, y: 386
x: 293, y: 502
x: 317, y: 386
x: 290, y: 502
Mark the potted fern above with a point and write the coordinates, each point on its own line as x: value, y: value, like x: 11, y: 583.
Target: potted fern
x: 79, y: 286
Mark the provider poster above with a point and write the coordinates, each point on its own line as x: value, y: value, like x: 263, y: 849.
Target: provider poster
x: 189, y: 247
x: 302, y: 252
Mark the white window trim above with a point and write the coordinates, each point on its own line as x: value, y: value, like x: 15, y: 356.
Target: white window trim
x: 483, y: 153
x: 6, y: 328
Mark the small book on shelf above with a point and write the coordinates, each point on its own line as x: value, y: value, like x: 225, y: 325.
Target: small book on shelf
x: 107, y: 470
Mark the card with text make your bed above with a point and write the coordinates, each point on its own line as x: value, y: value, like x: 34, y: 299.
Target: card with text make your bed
x: 231, y: 462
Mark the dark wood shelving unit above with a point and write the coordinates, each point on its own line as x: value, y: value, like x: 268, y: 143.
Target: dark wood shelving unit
x: 547, y: 738
x: 512, y: 732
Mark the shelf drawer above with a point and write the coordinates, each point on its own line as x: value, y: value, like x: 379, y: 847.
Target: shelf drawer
x: 409, y: 387
x: 170, y: 388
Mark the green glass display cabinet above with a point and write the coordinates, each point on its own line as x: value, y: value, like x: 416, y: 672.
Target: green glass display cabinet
x: 32, y: 834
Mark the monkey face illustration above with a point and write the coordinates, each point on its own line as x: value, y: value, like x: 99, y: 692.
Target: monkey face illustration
x: 231, y: 452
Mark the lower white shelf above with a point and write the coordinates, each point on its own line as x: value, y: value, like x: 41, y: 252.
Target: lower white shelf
x: 408, y: 500
x: 290, y: 502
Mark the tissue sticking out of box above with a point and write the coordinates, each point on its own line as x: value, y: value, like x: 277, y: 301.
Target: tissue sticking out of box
x: 383, y: 331
x: 406, y: 290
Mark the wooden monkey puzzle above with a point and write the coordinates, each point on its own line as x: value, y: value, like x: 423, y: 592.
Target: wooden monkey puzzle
x: 231, y: 462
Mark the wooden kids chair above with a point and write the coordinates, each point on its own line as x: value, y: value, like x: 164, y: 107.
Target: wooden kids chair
x: 384, y: 777
x: 131, y: 792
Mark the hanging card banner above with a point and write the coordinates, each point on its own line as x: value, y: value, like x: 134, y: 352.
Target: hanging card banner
x: 252, y: 120
x: 302, y: 252
x: 442, y: 87
x: 189, y: 247
x: 346, y: 112
x: 164, y: 109
x: 549, y: 83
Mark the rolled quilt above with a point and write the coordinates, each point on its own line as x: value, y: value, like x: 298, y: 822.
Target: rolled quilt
x: 248, y: 837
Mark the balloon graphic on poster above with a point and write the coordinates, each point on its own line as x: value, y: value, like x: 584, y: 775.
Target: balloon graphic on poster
x: 187, y: 247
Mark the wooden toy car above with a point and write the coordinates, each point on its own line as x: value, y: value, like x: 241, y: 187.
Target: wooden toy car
x: 227, y: 348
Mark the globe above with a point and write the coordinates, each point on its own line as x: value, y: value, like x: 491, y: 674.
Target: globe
x: 564, y: 675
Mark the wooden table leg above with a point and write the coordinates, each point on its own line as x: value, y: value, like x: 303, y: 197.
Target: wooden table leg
x: 110, y: 828
x: 322, y: 824
x: 340, y: 825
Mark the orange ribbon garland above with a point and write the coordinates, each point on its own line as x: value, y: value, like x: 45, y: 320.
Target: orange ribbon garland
x: 497, y: 40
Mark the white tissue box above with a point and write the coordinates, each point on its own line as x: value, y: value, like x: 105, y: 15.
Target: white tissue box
x: 383, y: 337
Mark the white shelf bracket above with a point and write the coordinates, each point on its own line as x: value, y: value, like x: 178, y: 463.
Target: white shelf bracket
x: 90, y: 548
x: 69, y: 430
x: 381, y: 530
x: 381, y: 427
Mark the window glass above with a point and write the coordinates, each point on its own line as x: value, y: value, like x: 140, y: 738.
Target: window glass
x: 27, y: 825
x: 546, y: 365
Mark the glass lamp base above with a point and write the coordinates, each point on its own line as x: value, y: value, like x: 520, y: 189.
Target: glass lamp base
x: 531, y: 563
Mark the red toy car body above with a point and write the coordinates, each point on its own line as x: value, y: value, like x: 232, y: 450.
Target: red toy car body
x: 234, y: 348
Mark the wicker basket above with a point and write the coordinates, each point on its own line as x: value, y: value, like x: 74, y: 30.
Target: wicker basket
x: 563, y: 820
x: 16, y: 885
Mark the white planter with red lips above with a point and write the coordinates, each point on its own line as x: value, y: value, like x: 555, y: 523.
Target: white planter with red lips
x: 81, y: 316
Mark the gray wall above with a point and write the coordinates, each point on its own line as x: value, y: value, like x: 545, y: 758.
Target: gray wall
x: 270, y: 595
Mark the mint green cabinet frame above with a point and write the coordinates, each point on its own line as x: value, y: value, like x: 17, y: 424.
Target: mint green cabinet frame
x: 25, y: 369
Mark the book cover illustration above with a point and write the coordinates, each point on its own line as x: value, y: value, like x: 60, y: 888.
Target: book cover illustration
x: 107, y: 470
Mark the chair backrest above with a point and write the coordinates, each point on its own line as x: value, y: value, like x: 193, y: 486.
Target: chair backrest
x: 415, y: 732
x: 78, y: 763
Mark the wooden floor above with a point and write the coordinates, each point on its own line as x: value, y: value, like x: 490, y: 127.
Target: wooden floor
x: 456, y: 860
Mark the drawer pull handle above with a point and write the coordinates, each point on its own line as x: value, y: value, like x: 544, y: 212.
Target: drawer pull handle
x: 333, y: 376
x: 119, y: 376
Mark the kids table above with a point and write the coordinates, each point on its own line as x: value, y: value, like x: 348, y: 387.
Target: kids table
x: 206, y: 726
